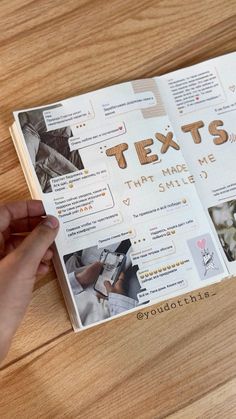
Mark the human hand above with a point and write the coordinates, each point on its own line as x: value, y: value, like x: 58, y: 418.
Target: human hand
x: 21, y: 259
x: 118, y: 287
x: 89, y: 274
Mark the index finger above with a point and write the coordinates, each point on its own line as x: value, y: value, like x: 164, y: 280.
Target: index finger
x: 18, y: 210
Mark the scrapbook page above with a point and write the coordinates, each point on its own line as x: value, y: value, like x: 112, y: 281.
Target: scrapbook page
x: 202, y: 105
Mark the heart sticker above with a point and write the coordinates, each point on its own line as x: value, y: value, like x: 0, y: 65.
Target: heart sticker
x: 232, y: 88
x: 201, y: 244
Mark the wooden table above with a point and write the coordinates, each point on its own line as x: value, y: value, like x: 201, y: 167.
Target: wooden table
x: 178, y: 364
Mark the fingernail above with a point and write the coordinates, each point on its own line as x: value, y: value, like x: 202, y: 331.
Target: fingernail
x: 51, y: 222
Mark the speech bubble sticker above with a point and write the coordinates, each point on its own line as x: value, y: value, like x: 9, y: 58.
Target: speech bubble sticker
x: 80, y: 178
x: 196, y: 90
x: 170, y: 228
x: 92, y: 224
x: 162, y: 288
x: 109, y: 239
x: 147, y: 277
x: 147, y: 209
x: 92, y: 200
x: 128, y: 103
x: 148, y: 255
x: 88, y: 137
x: 72, y: 111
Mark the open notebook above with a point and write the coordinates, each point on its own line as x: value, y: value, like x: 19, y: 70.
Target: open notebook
x: 142, y: 178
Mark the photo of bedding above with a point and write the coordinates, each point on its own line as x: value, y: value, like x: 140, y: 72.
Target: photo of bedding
x: 49, y: 150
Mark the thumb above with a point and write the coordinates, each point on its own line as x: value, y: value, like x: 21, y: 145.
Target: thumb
x: 108, y: 286
x: 34, y: 246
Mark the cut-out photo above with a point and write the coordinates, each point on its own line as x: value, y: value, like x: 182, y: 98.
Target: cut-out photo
x: 49, y: 150
x: 224, y: 219
x: 103, y: 281
x: 205, y: 256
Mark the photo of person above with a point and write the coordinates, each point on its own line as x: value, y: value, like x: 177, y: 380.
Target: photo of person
x: 224, y: 220
x: 49, y: 150
x: 103, y: 281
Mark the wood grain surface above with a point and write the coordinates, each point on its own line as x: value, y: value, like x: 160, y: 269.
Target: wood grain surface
x: 177, y: 364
